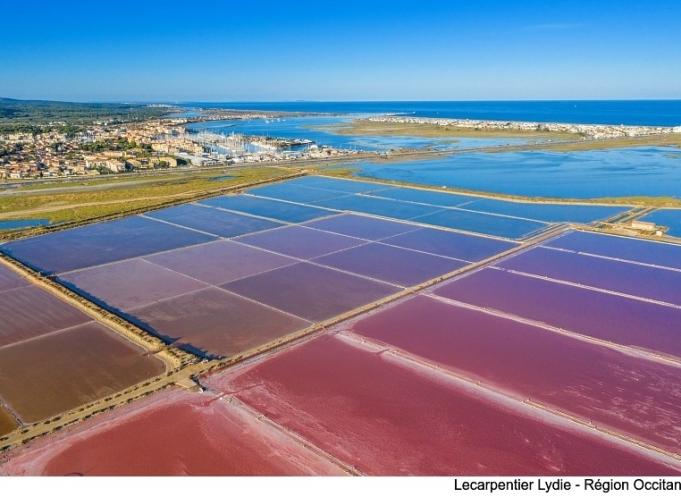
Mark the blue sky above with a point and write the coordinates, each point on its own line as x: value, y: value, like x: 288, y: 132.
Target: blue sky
x: 253, y: 50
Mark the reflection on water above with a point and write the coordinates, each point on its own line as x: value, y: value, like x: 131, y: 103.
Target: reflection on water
x: 313, y: 128
x: 649, y: 171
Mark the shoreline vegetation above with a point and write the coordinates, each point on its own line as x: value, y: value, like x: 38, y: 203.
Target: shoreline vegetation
x: 551, y: 140
x: 82, y: 199
x: 430, y: 130
x: 633, y: 201
x: 43, y: 116
x: 654, y: 140
x: 89, y: 201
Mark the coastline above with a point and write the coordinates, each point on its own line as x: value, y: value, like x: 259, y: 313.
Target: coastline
x: 556, y: 137
x: 594, y: 131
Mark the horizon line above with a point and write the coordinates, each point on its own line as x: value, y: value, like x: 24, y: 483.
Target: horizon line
x: 182, y: 101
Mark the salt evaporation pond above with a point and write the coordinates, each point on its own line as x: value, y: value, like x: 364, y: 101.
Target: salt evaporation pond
x: 666, y: 217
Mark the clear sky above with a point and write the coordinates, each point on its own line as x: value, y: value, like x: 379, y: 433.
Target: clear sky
x: 206, y: 50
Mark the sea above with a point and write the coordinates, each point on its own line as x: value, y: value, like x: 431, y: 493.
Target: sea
x: 616, y: 172
x: 628, y: 112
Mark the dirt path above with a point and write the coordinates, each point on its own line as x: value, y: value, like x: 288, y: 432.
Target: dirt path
x: 59, y: 207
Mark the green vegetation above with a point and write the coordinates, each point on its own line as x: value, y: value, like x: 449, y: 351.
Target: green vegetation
x: 89, y: 200
x: 38, y: 116
x: 657, y: 202
x: 545, y: 140
x: 122, y: 144
x: 8, y: 150
x: 119, y: 145
x: 663, y: 140
x: 338, y: 172
x: 366, y: 127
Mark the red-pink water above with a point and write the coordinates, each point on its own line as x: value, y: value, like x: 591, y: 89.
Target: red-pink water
x: 177, y: 434
x: 27, y: 312
x: 218, y: 322
x: 61, y: 371
x: 311, y: 292
x: 632, y: 279
x: 131, y: 283
x: 9, y: 279
x: 639, y: 398
x: 387, y: 419
x: 596, y: 314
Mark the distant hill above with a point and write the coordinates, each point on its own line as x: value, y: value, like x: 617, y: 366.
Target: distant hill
x: 31, y: 115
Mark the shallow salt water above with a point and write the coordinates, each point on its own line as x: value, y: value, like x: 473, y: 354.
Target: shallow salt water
x: 667, y: 217
x: 312, y: 128
x: 22, y: 223
x: 646, y: 171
